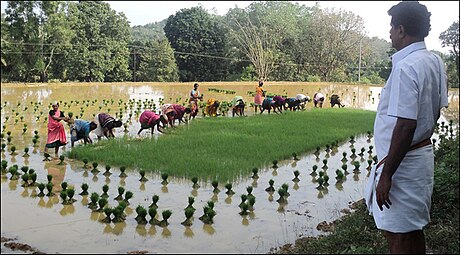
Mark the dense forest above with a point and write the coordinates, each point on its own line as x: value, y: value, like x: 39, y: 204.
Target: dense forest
x: 87, y: 41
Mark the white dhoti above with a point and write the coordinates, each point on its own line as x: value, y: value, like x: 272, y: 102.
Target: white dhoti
x: 410, y: 193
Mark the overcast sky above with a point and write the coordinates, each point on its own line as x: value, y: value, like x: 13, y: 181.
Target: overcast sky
x: 374, y: 13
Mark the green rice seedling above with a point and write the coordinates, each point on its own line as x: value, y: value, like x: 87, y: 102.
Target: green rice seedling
x: 324, y: 163
x: 357, y: 165
x: 4, y: 164
x: 254, y: 173
x: 339, y: 175
x: 142, y: 173
x: 35, y: 132
x: 47, y: 156
x: 33, y: 178
x: 102, y: 202
x: 64, y: 185
x: 128, y: 196
x: 251, y: 202
x: 362, y: 151
x: 270, y: 187
x: 282, y: 198
x: 85, y: 162
x: 84, y: 187
x: 294, y: 156
x: 13, y: 150
x: 195, y: 182
x: 26, y: 152
x: 275, y: 163
x: 320, y: 182
x: 215, y: 184
x: 353, y: 155
x: 138, y: 208
x: 94, y: 198
x: 13, y: 170
x: 25, y: 169
x: 369, y: 164
x: 249, y: 189
x: 41, y: 187
x: 244, y: 209
x: 372, y: 147
x: 8, y: 133
x: 118, y: 214
x: 352, y: 139
x: 344, y: 167
x: 95, y: 171
x: 188, y: 216
x: 61, y: 158
x: 326, y: 179
x: 344, y: 159
x: 108, y: 212
x: 244, y: 197
x: 35, y: 141
x: 25, y: 179
x: 166, y: 214
x: 105, y: 189
x: 3, y: 146
x: 229, y: 191
x: 122, y: 204
x: 70, y: 194
x: 164, y: 176
x: 207, y: 213
x: 49, y: 188
x: 49, y: 177
x: 121, y: 190
x: 191, y: 200
x: 153, y: 213
x: 296, y: 176
x: 107, y: 170
x: 285, y: 186
x: 314, y: 168
x: 63, y: 195
x: 141, y: 214
x: 375, y: 159
x: 24, y: 130
x: 328, y: 148
x: 122, y: 172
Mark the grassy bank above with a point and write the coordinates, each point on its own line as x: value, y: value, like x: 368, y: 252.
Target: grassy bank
x: 229, y: 148
x: 356, y: 233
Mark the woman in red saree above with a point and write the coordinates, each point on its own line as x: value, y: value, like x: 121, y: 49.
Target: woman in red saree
x: 56, y: 133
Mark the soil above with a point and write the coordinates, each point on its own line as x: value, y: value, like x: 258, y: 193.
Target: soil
x: 8, y: 246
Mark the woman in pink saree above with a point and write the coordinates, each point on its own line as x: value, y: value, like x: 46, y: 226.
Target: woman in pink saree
x: 56, y: 133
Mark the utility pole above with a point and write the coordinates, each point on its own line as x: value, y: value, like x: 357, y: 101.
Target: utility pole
x: 134, y: 63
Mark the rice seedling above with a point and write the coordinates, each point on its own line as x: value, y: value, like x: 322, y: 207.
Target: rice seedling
x: 47, y: 156
x: 118, y: 214
x: 25, y: 179
x: 122, y: 172
x: 107, y: 170
x: 285, y: 186
x: 353, y: 155
x: 344, y: 159
x: 85, y: 162
x: 49, y: 188
x: 244, y: 197
x: 13, y: 150
x: 3, y: 146
x: 294, y: 156
x: 108, y: 212
x: 63, y: 195
x: 282, y: 198
x: 320, y: 182
x: 339, y: 175
x: 254, y: 173
x: 128, y: 195
x: 94, y: 198
x: 41, y: 187
x: 372, y: 147
x: 61, y: 158
x: 244, y: 209
x: 324, y: 163
x: 24, y: 169
x: 164, y: 177
x: 141, y: 214
x: 13, y: 170
x: 208, y: 213
x: 4, y: 166
x: 251, y: 202
x: 270, y: 187
x: 84, y: 188
x: 49, y: 177
x: 153, y: 213
x: 326, y: 179
x: 249, y: 189
x: 191, y: 200
x: 314, y: 168
x: 105, y: 189
x: 344, y: 167
x: 357, y: 165
x: 35, y: 141
x: 166, y: 214
x: 369, y: 164
x: 121, y: 190
x: 296, y: 176
x: 188, y: 216
x: 26, y: 152
x: 70, y: 194
x: 229, y: 187
x: 64, y: 185
x: 275, y: 163
x: 102, y: 202
x: 142, y: 173
x: 195, y: 182
x: 215, y: 184
x: 94, y: 170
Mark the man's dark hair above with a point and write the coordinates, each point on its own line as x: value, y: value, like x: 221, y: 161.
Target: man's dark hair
x: 92, y: 125
x: 413, y: 16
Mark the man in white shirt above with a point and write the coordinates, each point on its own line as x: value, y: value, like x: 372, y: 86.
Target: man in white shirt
x: 399, y: 197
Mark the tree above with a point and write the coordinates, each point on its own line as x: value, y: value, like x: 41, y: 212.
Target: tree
x: 450, y: 38
x: 199, y: 45
x: 157, y: 62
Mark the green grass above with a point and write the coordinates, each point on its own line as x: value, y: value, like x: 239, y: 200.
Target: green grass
x: 229, y: 148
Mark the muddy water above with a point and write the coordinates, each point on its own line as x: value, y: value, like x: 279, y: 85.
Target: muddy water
x: 47, y: 225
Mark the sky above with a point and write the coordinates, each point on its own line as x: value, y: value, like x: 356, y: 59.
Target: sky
x: 374, y: 13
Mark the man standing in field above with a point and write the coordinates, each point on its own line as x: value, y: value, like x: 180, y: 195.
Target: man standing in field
x: 400, y: 186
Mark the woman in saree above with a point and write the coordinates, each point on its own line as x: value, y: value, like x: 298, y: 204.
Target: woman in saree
x: 56, y: 133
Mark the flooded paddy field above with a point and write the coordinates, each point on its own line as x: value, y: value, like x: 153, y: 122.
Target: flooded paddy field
x: 47, y: 225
